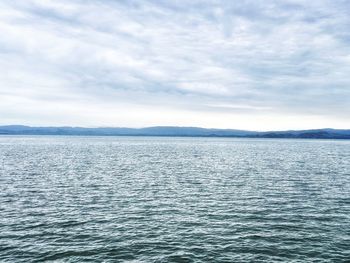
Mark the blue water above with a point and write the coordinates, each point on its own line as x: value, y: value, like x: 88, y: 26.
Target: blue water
x: 150, y: 199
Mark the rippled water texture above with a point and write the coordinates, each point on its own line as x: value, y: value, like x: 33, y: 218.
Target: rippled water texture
x: 139, y: 199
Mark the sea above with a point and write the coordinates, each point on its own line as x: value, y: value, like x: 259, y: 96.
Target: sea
x: 173, y: 199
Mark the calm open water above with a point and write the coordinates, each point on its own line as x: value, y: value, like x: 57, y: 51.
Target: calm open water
x: 150, y: 199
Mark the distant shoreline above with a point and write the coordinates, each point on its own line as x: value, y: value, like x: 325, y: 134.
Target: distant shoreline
x: 177, y: 136
x: 173, y: 131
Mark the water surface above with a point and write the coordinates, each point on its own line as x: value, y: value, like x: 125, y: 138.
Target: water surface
x: 151, y: 199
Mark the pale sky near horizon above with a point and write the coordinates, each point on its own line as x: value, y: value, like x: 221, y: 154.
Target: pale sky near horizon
x: 253, y: 64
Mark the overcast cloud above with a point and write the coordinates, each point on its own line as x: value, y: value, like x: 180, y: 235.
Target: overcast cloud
x: 259, y: 65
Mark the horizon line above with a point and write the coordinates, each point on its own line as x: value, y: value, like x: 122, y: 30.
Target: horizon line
x: 165, y: 126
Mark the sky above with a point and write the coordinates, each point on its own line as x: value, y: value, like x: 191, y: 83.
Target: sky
x: 255, y: 65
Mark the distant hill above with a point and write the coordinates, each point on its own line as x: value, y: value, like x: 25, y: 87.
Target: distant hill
x: 173, y: 131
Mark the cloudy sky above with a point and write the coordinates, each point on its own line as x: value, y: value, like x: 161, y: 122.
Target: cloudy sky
x: 258, y: 65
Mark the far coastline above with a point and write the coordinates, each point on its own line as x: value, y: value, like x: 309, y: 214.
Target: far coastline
x: 175, y: 131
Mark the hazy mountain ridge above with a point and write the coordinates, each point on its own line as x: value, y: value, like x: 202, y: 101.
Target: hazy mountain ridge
x: 173, y: 131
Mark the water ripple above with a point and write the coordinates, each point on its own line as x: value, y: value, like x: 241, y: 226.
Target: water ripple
x: 122, y: 199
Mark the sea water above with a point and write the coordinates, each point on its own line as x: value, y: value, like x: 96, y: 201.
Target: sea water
x: 164, y: 199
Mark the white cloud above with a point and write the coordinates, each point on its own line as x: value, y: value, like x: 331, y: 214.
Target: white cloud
x: 244, y: 64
